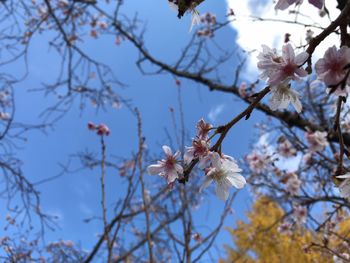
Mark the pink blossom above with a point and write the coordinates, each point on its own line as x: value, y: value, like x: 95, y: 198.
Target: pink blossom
x: 102, y: 129
x: 257, y: 162
x: 285, y: 148
x: 277, y: 69
x: 169, y: 168
x: 91, y: 126
x: 292, y: 183
x: 200, y: 150
x: 317, y: 140
x: 299, y: 213
x: 225, y: 172
x: 285, y: 228
x: 203, y: 129
x: 330, y: 68
x: 197, y: 237
x: 242, y: 90
x: 209, y: 19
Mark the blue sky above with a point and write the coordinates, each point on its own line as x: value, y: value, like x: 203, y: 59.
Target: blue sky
x: 74, y: 197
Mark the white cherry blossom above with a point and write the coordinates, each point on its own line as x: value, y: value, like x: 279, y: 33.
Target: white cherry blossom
x: 282, y: 96
x: 317, y: 140
x: 277, y: 69
x: 225, y: 172
x: 169, y: 168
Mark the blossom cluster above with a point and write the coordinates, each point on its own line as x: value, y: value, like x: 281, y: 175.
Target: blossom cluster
x: 208, y: 20
x: 219, y: 168
x: 100, y: 129
x: 278, y: 71
x: 333, y: 70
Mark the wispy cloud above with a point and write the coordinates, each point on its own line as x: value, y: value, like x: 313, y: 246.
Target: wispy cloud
x: 215, y: 112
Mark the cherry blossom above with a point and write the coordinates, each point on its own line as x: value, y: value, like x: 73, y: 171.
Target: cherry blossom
x: 317, y: 140
x: 299, y: 213
x: 257, y: 162
x: 285, y: 148
x: 277, y: 69
x: 100, y: 129
x: 331, y: 68
x: 242, y: 90
x: 200, y: 150
x: 169, y: 168
x: 225, y: 172
x: 282, y: 96
x: 203, y: 129
x: 285, y: 228
x: 292, y: 183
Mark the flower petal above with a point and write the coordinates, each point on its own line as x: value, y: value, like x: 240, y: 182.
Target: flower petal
x: 236, y: 180
x: 155, y: 169
x: 167, y: 150
x: 207, y: 181
x: 301, y: 58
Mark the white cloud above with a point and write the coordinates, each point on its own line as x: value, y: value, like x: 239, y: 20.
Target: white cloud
x: 252, y: 34
x: 290, y: 164
x: 215, y: 112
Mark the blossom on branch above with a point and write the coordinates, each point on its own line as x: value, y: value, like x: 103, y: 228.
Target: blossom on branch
x: 101, y: 129
x: 285, y: 148
x: 282, y: 96
x: 331, y: 69
x: 257, y: 161
x: 169, y: 168
x: 225, y: 172
x: 203, y: 129
x: 317, y: 140
x: 277, y: 69
x: 200, y: 150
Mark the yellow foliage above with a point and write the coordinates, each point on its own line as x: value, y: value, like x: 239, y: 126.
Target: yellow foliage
x: 260, y: 241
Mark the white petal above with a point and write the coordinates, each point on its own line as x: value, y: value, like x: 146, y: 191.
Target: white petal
x: 237, y: 180
x: 301, y: 58
x: 207, y: 181
x: 177, y: 154
x: 344, y: 176
x: 179, y: 168
x: 297, y: 104
x: 155, y: 169
x: 215, y: 160
x: 171, y: 176
x: 167, y: 150
x: 288, y: 53
x: 275, y: 100
x: 188, y: 156
x: 222, y: 191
